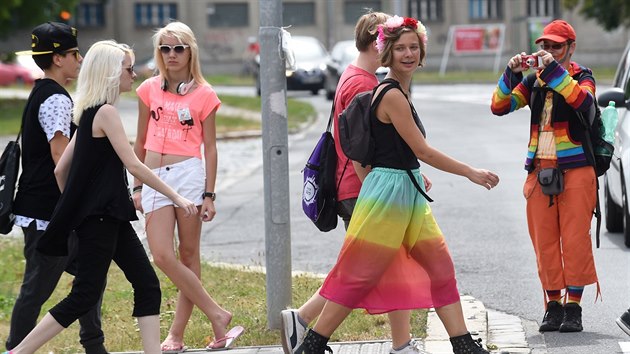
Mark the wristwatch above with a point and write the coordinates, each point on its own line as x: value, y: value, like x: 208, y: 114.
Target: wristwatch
x: 210, y: 195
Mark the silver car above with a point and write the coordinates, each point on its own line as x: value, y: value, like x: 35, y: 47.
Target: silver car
x: 342, y: 54
x: 617, y: 178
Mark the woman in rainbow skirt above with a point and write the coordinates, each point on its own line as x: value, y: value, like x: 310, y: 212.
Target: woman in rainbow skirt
x: 394, y: 255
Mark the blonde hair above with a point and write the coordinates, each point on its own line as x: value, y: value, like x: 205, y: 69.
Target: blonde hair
x: 185, y: 35
x: 99, y: 78
x: 391, y: 36
x: 365, y: 31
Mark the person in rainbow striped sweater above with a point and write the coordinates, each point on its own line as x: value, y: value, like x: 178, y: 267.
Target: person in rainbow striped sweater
x: 559, y: 225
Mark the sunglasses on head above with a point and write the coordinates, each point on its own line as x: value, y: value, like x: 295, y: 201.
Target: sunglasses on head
x: 179, y: 48
x: 76, y: 53
x: 555, y: 46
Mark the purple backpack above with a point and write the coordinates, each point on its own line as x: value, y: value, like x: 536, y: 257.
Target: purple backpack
x: 319, y: 192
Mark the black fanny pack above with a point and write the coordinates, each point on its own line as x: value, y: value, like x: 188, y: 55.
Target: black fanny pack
x: 551, y: 181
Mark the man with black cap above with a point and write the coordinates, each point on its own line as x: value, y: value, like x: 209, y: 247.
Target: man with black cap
x: 557, y: 92
x: 46, y: 130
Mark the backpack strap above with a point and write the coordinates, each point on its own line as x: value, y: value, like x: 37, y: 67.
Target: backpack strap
x: 589, y: 150
x: 329, y: 128
x: 391, y: 83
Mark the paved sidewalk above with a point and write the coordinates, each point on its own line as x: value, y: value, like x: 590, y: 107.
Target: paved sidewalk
x: 502, y: 332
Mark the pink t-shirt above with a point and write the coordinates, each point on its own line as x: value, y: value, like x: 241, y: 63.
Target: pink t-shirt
x: 175, y: 121
x: 356, y: 80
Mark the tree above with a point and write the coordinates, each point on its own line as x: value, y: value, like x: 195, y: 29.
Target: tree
x: 608, y: 13
x: 21, y: 14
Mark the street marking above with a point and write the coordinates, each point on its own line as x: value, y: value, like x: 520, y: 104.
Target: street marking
x: 625, y: 347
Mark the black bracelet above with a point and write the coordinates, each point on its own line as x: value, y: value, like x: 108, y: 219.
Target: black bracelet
x: 210, y: 195
x: 137, y: 188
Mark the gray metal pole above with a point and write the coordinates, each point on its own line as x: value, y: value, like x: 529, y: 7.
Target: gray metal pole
x: 275, y: 161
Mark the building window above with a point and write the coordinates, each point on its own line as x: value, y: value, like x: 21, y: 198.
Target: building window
x: 426, y: 10
x: 543, y: 8
x: 154, y: 14
x: 90, y: 15
x: 228, y: 15
x: 298, y: 14
x: 353, y: 9
x: 485, y: 9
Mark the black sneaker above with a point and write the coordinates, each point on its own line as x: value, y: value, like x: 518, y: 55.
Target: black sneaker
x: 553, y: 317
x: 624, y: 322
x: 572, y: 321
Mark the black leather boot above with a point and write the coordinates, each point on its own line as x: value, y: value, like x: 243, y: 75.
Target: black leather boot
x: 572, y: 321
x: 553, y: 317
x: 465, y: 344
x: 313, y: 343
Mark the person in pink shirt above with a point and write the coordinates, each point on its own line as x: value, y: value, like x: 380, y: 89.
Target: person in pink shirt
x: 356, y: 78
x: 177, y: 139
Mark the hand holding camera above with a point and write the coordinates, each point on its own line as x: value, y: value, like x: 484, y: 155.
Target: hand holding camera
x: 531, y: 61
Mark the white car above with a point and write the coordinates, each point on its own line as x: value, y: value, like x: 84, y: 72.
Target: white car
x: 617, y: 178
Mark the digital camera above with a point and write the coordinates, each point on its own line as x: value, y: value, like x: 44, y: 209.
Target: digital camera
x: 531, y: 61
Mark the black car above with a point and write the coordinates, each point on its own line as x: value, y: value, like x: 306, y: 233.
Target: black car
x: 342, y: 54
x: 310, y: 64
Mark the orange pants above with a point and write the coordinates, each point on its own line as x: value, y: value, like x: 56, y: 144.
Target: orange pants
x: 561, y: 233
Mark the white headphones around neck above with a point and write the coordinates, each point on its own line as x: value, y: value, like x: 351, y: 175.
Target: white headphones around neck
x: 182, y: 88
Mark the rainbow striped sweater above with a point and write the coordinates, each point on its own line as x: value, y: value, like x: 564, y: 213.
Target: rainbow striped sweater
x: 570, y: 95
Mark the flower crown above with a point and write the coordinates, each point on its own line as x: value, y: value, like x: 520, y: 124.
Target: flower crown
x: 393, y: 23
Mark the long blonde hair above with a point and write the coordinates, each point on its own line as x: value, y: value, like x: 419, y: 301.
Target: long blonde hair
x: 99, y: 78
x: 185, y: 35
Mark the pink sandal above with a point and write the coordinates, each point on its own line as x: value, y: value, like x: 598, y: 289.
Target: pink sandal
x: 229, y: 339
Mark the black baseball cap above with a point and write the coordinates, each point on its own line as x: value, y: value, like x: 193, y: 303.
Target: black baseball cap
x: 51, y: 37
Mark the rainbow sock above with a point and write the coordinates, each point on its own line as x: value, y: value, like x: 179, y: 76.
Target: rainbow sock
x: 575, y: 294
x: 554, y: 295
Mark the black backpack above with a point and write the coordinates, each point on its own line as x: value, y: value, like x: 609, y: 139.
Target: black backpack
x: 355, y: 127
x: 9, y: 167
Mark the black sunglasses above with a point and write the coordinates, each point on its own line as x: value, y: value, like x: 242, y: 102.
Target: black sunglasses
x: 76, y: 53
x: 555, y: 46
x: 179, y: 48
x: 129, y: 70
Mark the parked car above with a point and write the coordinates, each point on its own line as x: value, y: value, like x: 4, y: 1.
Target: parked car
x: 342, y: 54
x: 28, y: 62
x: 310, y: 62
x: 13, y: 73
x: 617, y: 178
x: 146, y: 68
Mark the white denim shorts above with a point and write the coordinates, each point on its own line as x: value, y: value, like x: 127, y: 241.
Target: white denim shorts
x: 187, y: 178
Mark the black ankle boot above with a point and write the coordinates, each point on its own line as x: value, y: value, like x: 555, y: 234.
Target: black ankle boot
x: 465, y: 344
x: 553, y: 317
x: 313, y: 343
x: 572, y: 321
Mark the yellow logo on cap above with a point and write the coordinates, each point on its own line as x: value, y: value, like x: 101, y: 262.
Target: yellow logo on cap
x: 34, y: 40
x: 56, y: 45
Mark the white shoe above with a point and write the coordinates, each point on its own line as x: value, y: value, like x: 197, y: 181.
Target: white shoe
x: 414, y: 347
x: 292, y: 332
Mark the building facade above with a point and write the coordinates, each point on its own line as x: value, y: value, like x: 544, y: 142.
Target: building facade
x: 226, y: 28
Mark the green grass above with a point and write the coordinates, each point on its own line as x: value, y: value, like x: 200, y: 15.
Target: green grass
x: 298, y: 114
x: 11, y: 116
x: 241, y: 291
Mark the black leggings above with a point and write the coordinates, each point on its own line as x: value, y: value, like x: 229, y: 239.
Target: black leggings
x: 101, y: 240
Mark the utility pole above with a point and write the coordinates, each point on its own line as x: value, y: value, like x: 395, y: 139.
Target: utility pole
x: 275, y: 139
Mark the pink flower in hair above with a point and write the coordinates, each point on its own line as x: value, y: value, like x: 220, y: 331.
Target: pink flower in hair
x: 396, y: 21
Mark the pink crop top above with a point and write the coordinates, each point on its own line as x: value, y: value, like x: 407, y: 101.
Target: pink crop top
x: 175, y: 121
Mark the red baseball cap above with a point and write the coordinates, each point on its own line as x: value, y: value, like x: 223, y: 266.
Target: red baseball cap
x: 558, y: 31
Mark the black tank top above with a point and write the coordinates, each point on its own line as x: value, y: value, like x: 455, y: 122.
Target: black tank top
x: 390, y: 149
x: 97, y: 185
